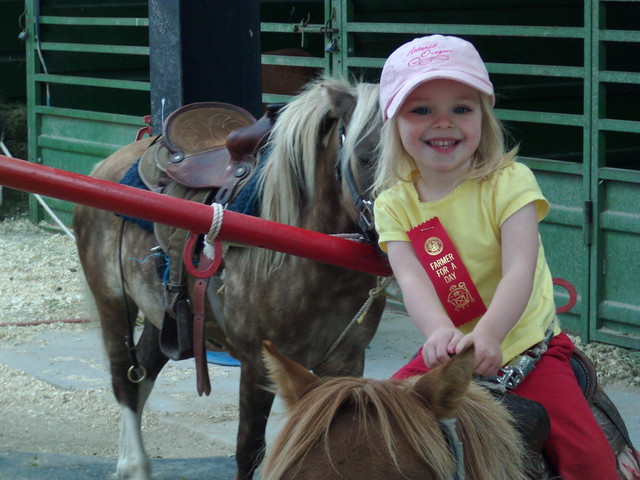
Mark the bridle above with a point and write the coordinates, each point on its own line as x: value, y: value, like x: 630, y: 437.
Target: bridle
x: 448, y: 428
x: 362, y: 202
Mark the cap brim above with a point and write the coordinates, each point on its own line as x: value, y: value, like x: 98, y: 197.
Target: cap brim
x: 455, y: 75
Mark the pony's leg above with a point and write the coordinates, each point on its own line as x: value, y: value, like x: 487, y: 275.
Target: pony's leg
x: 133, y: 462
x: 255, y: 405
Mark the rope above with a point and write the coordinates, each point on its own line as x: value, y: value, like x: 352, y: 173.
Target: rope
x: 214, y: 230
x: 359, y: 317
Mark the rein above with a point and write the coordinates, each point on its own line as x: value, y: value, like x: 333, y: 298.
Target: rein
x: 358, y: 318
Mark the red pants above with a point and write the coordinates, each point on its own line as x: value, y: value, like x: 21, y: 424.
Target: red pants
x: 576, y: 445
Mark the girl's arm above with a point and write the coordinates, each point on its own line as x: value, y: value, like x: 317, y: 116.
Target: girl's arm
x: 423, y: 304
x: 520, y: 241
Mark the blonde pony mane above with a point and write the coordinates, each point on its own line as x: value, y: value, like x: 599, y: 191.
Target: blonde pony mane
x: 288, y: 179
x: 491, y: 445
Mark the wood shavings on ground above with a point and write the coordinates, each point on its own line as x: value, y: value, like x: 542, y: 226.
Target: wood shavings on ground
x: 40, y: 275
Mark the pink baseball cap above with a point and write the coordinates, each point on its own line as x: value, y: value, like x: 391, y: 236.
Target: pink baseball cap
x: 429, y: 58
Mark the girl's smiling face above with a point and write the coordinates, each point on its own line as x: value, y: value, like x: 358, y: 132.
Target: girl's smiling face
x: 440, y: 124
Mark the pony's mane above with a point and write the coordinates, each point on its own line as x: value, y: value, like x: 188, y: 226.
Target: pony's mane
x: 363, y: 132
x: 288, y: 178
x: 311, y: 419
x: 483, y: 427
x: 304, y: 127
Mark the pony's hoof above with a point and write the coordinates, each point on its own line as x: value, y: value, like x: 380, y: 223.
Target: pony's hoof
x: 133, y: 470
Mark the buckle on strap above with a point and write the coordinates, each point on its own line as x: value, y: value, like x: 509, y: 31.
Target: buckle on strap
x: 366, y: 221
x: 514, y: 372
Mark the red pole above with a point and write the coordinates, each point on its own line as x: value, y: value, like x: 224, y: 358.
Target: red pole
x: 195, y: 217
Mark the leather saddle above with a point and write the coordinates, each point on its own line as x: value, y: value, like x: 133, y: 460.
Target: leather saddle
x: 206, y: 146
x: 532, y: 420
x: 207, y: 151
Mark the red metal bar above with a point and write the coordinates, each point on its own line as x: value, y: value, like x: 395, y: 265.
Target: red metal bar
x: 195, y: 217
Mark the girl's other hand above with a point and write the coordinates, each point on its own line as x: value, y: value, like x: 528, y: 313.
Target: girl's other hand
x: 487, y: 352
x: 441, y: 346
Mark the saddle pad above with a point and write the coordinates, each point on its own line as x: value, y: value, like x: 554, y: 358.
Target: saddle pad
x: 132, y: 179
x: 249, y: 198
x: 222, y: 358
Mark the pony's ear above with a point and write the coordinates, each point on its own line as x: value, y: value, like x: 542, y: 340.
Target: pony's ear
x: 291, y: 378
x: 341, y: 100
x: 444, y: 387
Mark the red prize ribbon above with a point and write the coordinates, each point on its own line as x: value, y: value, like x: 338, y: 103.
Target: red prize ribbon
x: 449, y: 276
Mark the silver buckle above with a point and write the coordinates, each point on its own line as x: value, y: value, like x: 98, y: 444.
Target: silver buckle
x: 514, y: 372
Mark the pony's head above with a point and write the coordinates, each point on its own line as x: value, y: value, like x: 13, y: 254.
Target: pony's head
x: 354, y: 428
x: 323, y: 141
x: 361, y: 123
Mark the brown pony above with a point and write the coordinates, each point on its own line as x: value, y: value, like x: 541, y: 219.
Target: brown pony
x: 354, y: 428
x: 359, y: 429
x: 302, y: 305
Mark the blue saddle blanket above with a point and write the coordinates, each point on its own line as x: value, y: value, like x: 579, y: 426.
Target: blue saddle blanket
x: 247, y: 201
x: 132, y: 179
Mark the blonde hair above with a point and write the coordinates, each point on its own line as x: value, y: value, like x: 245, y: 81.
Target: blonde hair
x: 395, y: 164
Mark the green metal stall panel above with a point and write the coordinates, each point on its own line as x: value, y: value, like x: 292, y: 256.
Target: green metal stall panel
x: 615, y: 173
x: 87, y: 83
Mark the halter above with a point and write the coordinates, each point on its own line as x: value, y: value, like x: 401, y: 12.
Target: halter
x: 363, y: 204
x: 448, y: 428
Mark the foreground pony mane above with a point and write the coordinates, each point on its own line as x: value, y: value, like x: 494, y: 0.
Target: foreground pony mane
x: 491, y: 449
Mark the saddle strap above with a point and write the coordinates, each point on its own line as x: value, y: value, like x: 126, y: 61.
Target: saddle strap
x: 199, y: 335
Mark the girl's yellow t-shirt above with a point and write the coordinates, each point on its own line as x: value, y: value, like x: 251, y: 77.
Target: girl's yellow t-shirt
x: 472, y: 215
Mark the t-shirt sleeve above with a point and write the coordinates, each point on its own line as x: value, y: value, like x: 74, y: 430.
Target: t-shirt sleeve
x: 516, y: 186
x: 389, y: 224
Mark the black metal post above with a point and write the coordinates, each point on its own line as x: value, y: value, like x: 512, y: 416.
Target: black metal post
x: 205, y: 50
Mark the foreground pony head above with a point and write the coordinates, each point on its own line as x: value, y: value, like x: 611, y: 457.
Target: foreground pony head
x: 355, y: 428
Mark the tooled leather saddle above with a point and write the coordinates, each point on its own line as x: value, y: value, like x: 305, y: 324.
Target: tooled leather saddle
x: 207, y: 152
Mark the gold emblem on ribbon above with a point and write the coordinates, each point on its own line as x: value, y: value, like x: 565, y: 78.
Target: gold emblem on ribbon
x: 433, y: 246
x: 459, y: 296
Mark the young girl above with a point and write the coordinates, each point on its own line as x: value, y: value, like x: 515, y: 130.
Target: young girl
x: 458, y: 218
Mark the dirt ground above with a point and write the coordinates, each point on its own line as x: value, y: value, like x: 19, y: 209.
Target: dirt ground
x: 55, y: 394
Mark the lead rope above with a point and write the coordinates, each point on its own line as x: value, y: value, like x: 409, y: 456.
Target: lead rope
x: 359, y: 317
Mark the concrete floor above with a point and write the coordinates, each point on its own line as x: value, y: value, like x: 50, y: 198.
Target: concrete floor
x: 394, y: 343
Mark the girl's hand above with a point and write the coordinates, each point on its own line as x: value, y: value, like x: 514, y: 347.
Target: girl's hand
x: 487, y: 351
x: 440, y: 346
